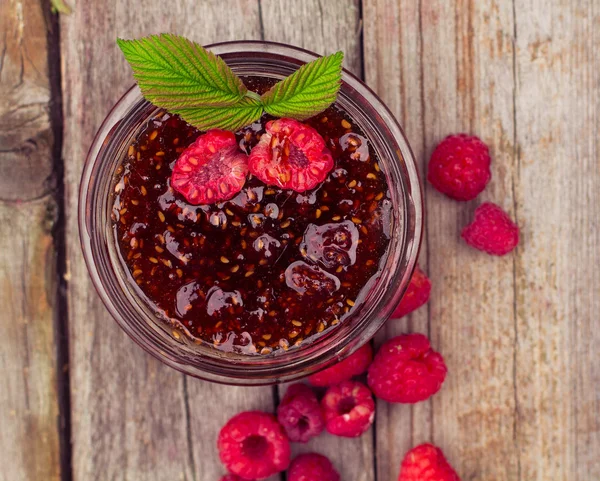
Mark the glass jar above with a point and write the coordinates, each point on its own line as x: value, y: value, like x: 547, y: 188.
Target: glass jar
x: 173, y: 348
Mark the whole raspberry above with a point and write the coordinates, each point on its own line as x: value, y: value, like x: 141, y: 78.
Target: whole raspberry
x: 492, y: 231
x: 291, y: 155
x: 406, y: 370
x: 348, y: 409
x: 210, y: 170
x: 300, y: 414
x: 253, y: 445
x: 415, y: 296
x: 460, y: 167
x: 231, y: 477
x: 312, y: 467
x: 353, y: 365
x: 426, y: 463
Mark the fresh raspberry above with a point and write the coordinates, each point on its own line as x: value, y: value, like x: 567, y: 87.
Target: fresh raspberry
x: 253, y: 445
x: 300, y: 414
x: 312, y: 467
x: 291, y: 155
x: 492, y: 231
x: 348, y: 409
x: 211, y: 169
x: 426, y: 463
x: 406, y: 370
x: 231, y: 477
x: 353, y: 365
x: 415, y: 296
x: 460, y: 167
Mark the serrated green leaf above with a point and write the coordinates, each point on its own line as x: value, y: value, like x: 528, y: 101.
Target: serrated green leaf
x: 184, y: 78
x: 176, y: 73
x: 232, y: 117
x: 309, y: 90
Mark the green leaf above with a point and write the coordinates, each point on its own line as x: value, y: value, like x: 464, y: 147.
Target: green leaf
x: 59, y: 6
x: 309, y: 90
x: 232, y: 117
x: 176, y: 73
x: 184, y: 78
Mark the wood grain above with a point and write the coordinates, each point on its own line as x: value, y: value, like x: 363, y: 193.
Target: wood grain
x: 558, y: 282
x: 133, y: 418
x: 521, y: 400
x: 518, y: 333
x: 459, y: 64
x: 468, y: 86
x: 29, y: 438
x: 318, y: 25
x: 325, y: 27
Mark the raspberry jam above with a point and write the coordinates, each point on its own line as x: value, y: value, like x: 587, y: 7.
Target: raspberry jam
x: 268, y: 269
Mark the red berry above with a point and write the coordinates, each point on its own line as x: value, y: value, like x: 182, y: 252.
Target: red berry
x: 348, y: 409
x: 300, y: 414
x: 312, y: 467
x: 460, y: 167
x: 492, y: 231
x: 415, y: 296
x: 406, y: 370
x: 253, y: 445
x: 211, y: 169
x: 426, y: 463
x: 291, y: 155
x: 231, y: 477
x: 353, y: 365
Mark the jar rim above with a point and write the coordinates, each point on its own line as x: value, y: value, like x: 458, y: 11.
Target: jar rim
x: 243, y: 369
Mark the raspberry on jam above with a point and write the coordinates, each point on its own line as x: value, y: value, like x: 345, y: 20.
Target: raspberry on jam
x: 290, y: 155
x: 269, y: 268
x: 211, y: 169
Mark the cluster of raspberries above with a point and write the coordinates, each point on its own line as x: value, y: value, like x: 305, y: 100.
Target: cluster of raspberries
x: 254, y: 445
x: 460, y: 168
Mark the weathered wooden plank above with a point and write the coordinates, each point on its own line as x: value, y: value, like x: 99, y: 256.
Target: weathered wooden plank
x: 29, y: 438
x: 318, y: 25
x: 455, y: 59
x: 133, y: 418
x: 558, y: 196
x: 325, y: 27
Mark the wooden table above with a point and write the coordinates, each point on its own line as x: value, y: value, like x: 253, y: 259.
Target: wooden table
x: 521, y: 334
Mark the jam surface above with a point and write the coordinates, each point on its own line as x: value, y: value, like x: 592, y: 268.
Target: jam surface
x: 268, y: 269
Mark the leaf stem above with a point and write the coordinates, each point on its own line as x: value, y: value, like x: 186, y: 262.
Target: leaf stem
x: 253, y: 95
